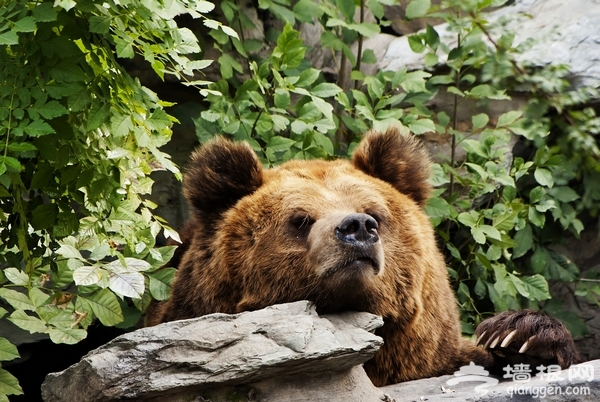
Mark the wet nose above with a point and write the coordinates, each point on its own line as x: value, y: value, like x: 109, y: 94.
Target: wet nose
x: 357, y: 229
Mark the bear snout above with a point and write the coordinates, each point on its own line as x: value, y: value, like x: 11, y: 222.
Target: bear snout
x: 358, y: 230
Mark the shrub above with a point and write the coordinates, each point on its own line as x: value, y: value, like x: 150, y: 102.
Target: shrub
x: 80, y: 138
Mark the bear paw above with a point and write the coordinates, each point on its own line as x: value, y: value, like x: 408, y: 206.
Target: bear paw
x: 527, y: 337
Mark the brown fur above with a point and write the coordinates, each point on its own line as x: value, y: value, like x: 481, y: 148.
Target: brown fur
x: 261, y: 237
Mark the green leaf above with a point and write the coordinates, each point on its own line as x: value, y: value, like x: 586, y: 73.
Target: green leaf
x: 289, y: 51
x: 98, y: 115
x: 18, y: 300
x: 21, y: 147
x: 417, y: 8
x: 38, y: 297
x: 544, y: 177
x: 422, y: 126
x: 87, y: 275
x: 366, y: 29
x: 25, y: 24
x: 532, y: 287
x: 44, y: 216
x: 282, y: 99
x: 65, y: 4
x: 16, y: 276
x: 325, y: 90
x: 560, y: 267
x: 227, y: 65
x: 347, y: 8
x: 368, y: 57
x: 44, y: 12
x: 307, y: 10
x: 38, y: 128
x: 324, y: 142
x: 430, y: 60
x: 478, y: 235
x: 160, y: 283
x: 469, y: 219
x: 523, y: 242
x: 438, y: 207
x: 158, y: 120
x: 480, y: 289
x: 480, y: 120
x: 280, y: 144
x: 229, y: 31
x: 105, y: 306
x: 10, y: 162
x: 536, y: 194
x: 415, y: 81
x: 432, y: 38
x: 121, y: 125
x: 69, y: 336
x: 491, y: 232
x: 100, y: 24
x: 307, y: 77
x: 9, y: 38
x: 283, y: 13
x: 8, y: 351
x: 130, y: 284
x: 27, y: 322
x: 564, y: 194
x: 545, y: 205
x: 204, y: 7
x: 416, y: 43
x: 68, y: 251
x: 9, y: 385
x: 536, y: 217
x: 539, y: 259
x: 124, y: 47
x: 136, y: 265
x: 508, y: 118
x: 506, y: 221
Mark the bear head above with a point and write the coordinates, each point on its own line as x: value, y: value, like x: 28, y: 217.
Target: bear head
x: 347, y: 235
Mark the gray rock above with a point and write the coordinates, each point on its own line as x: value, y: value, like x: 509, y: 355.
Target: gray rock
x: 174, y: 359
x: 578, y: 383
x: 563, y: 32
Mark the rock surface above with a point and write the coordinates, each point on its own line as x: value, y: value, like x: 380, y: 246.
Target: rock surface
x: 281, y: 353
x: 579, y: 383
x: 176, y: 360
x: 563, y: 32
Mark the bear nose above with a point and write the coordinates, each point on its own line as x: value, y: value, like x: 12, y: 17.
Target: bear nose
x: 357, y: 229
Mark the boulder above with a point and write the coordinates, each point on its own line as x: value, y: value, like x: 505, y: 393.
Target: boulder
x: 281, y: 347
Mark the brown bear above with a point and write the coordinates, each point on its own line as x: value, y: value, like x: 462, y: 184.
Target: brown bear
x: 346, y: 235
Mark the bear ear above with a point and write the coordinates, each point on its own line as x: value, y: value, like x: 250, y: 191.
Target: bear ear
x: 219, y: 174
x: 397, y: 159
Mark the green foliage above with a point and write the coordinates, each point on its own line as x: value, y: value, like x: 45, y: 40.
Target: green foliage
x: 498, y: 215
x: 79, y: 139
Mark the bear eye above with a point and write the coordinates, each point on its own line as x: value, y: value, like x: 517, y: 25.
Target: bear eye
x: 301, y: 220
x: 375, y: 215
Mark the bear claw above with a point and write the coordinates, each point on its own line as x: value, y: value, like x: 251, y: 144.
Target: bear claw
x: 526, y: 345
x: 508, y: 339
x: 527, y: 336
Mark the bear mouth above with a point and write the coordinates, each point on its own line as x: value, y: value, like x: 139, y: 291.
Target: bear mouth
x: 356, y: 267
x: 364, y: 263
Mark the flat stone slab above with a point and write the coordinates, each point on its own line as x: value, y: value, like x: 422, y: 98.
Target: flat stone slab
x: 579, y: 383
x: 218, y: 350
